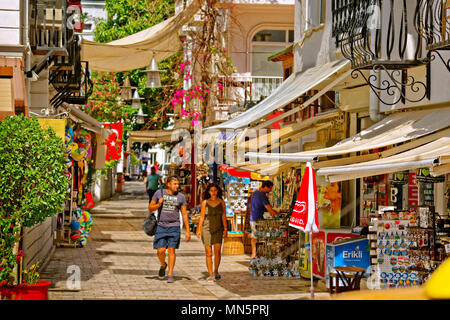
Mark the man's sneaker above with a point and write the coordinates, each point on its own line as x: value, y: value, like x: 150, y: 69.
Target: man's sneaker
x: 170, y: 279
x: 162, y: 272
x: 211, y: 279
x: 217, y: 276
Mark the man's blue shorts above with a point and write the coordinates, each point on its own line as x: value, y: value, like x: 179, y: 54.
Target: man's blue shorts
x: 167, y: 237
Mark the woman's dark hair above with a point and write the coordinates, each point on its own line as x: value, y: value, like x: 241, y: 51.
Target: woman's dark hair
x: 206, y: 195
x: 267, y: 183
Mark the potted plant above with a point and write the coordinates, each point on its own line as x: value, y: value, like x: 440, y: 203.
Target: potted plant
x: 32, y: 288
x: 33, y: 187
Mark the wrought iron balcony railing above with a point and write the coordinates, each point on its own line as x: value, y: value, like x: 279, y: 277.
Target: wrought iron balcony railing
x: 433, y: 23
x: 381, y: 36
x: 366, y: 40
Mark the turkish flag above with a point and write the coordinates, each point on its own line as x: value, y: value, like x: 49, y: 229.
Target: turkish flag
x: 114, y: 142
x: 306, y: 215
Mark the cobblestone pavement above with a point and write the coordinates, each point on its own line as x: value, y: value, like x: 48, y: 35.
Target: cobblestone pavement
x: 119, y: 263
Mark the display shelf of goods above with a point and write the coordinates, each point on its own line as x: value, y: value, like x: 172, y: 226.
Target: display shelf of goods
x: 277, y: 250
x: 406, y: 252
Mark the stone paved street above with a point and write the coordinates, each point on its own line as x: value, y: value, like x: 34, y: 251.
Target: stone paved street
x: 119, y: 263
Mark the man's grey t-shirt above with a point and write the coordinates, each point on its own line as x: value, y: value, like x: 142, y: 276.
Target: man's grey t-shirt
x: 170, y: 216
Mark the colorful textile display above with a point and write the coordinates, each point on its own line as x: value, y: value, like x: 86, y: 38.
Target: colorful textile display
x: 84, y: 218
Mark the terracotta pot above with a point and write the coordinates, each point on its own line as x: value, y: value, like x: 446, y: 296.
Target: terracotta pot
x: 37, y: 291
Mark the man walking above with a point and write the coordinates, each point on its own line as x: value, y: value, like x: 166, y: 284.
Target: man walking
x: 259, y: 205
x: 152, y: 183
x: 168, y: 231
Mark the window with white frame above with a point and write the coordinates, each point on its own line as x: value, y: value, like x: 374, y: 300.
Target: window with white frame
x: 266, y: 43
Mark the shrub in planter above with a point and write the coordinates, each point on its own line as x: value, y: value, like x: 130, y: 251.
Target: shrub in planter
x: 32, y: 183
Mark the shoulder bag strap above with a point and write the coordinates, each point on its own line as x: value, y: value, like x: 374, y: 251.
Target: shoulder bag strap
x: 160, y: 208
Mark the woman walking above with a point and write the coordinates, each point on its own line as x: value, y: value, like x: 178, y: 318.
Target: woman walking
x: 212, y: 228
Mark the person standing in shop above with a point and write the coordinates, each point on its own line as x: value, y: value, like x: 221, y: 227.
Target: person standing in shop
x: 168, y: 230
x: 212, y: 228
x: 152, y: 183
x: 260, y: 204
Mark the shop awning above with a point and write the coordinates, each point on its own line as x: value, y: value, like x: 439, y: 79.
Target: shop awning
x: 136, y: 51
x: 153, y: 136
x: 277, y: 138
x: 432, y: 155
x: 292, y: 88
x: 394, y: 129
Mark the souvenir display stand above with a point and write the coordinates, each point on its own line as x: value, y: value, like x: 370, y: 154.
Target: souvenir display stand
x: 74, y: 222
x: 277, y: 245
x: 236, y: 200
x: 409, y: 246
x: 408, y: 238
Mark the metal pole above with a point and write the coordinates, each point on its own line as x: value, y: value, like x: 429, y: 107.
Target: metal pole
x: 311, y: 265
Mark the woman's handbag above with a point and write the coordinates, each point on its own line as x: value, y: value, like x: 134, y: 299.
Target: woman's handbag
x: 150, y: 223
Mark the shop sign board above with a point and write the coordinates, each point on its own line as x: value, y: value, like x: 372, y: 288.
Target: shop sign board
x: 354, y: 253
x: 413, y: 191
x: 319, y: 241
x: 424, y: 176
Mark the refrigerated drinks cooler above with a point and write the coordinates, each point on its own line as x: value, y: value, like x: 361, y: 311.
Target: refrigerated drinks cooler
x: 320, y: 240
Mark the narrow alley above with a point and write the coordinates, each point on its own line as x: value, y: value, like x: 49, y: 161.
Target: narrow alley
x: 119, y: 263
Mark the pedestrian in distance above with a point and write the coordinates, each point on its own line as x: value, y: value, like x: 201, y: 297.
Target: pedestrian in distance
x: 152, y: 183
x: 260, y: 204
x: 168, y: 230
x: 212, y: 228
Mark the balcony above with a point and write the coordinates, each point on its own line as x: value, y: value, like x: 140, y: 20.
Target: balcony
x: 433, y: 23
x: 381, y: 36
x: 363, y: 37
x: 240, y: 92
x: 48, y: 27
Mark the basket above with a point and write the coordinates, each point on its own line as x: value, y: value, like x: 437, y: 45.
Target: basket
x: 233, y: 244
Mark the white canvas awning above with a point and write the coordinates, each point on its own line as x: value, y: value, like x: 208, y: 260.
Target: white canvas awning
x: 292, y: 88
x: 432, y: 155
x: 394, y: 129
x: 157, y: 136
x: 136, y: 51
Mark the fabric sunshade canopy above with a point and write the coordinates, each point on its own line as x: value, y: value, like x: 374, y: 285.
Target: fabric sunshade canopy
x: 153, y: 136
x: 394, y: 129
x: 291, y: 132
x: 136, y: 51
x: 292, y: 88
x: 432, y: 155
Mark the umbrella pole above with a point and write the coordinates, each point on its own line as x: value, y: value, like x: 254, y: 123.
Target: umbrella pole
x: 311, y: 265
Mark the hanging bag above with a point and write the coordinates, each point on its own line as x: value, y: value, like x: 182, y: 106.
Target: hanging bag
x: 151, y: 222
